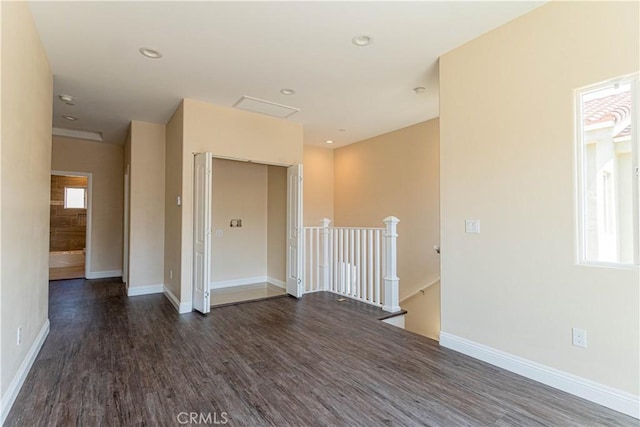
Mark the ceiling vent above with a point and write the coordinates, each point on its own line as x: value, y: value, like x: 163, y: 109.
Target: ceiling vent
x: 265, y: 107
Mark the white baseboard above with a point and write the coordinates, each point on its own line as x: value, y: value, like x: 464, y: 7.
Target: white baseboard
x: 601, y: 394
x: 180, y: 307
x: 220, y: 284
x: 144, y: 290
x: 18, y: 380
x: 277, y: 282
x: 104, y: 274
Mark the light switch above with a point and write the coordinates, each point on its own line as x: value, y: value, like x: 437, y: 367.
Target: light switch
x: 472, y: 226
x: 218, y: 233
x: 178, y: 201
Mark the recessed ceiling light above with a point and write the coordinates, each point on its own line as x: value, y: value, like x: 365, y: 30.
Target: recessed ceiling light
x: 419, y: 90
x: 287, y: 91
x: 67, y: 99
x: 70, y: 118
x: 329, y: 142
x: 362, y: 40
x: 150, y: 53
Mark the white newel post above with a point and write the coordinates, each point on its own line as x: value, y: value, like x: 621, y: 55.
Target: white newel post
x: 391, y: 280
x: 325, y: 271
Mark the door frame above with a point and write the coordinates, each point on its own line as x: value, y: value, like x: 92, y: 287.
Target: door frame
x: 87, y: 243
x: 126, y: 231
x: 213, y: 157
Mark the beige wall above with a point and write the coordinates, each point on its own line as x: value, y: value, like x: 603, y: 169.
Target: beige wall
x: 256, y: 194
x: 423, y: 312
x: 318, y: 185
x: 507, y: 159
x: 172, y: 212
x: 276, y: 222
x: 3, y: 330
x: 239, y: 191
x: 27, y: 85
x: 147, y: 206
x: 231, y: 133
x: 105, y: 163
x: 395, y: 174
x: 242, y: 135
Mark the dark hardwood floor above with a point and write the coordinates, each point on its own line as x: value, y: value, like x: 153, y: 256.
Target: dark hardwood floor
x: 112, y: 360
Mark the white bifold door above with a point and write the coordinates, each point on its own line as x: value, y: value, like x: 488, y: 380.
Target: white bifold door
x: 202, y: 231
x: 295, y: 247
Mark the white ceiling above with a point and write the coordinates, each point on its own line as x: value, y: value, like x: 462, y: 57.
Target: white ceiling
x: 220, y: 51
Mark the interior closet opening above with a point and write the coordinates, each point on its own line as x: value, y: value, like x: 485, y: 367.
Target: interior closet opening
x: 249, y: 239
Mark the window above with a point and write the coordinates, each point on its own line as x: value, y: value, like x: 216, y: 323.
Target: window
x: 607, y: 154
x: 75, y: 198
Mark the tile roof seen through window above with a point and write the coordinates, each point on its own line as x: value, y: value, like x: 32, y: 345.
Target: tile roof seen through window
x: 612, y: 108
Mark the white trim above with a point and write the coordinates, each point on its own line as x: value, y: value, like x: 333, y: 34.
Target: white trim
x: 601, y: 394
x: 145, y: 290
x: 18, y: 380
x: 277, y: 282
x: 125, y: 228
x: 220, y: 284
x: 88, y: 234
x: 412, y: 294
x: 81, y: 134
x: 104, y: 274
x: 180, y: 307
x: 579, y: 172
x: 397, y: 321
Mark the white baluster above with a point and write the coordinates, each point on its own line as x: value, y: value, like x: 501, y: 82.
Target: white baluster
x: 334, y: 259
x: 356, y: 264
x: 370, y: 265
x: 341, y: 274
x: 324, y: 269
x: 377, y: 282
x: 310, y: 247
x: 365, y: 266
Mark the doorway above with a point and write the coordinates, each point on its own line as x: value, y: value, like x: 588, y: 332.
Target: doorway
x: 70, y: 220
x: 244, y: 207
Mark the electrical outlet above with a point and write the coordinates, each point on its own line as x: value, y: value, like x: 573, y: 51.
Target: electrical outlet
x: 579, y: 337
x: 472, y: 226
x: 171, y: 274
x: 19, y: 336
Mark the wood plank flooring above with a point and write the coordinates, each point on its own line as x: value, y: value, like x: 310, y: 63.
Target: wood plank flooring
x: 257, y: 291
x: 62, y: 273
x: 117, y: 361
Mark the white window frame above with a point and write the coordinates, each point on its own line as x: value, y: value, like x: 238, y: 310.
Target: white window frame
x: 580, y: 176
x: 75, y: 188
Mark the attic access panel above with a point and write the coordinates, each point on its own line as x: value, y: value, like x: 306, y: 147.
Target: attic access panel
x: 265, y: 107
